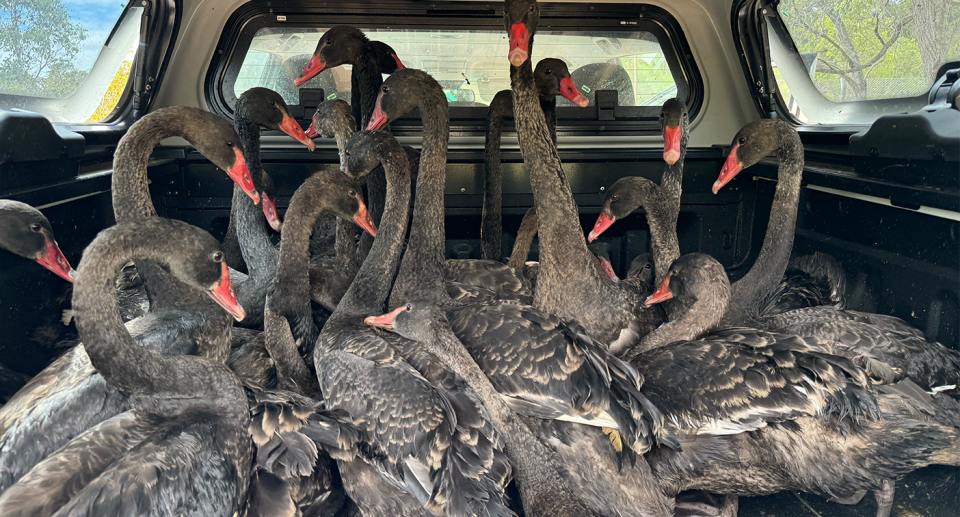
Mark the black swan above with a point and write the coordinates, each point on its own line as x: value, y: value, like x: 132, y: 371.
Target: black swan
x: 256, y: 108
x: 552, y: 78
x: 68, y: 397
x: 886, y: 346
x: 342, y: 45
x: 330, y: 276
x: 727, y: 377
x: 420, y: 282
x: 498, y: 278
x: 289, y: 425
x: 620, y: 199
x: 432, y: 441
x: 568, y: 283
x: 184, y: 448
x: 762, y: 412
x: 289, y: 312
x: 641, y: 269
x: 584, y: 383
x: 26, y: 232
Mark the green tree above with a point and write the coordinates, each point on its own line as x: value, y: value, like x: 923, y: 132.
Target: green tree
x: 869, y: 49
x: 38, y: 43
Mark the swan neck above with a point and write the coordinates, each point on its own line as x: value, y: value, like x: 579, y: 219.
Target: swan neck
x: 765, y: 274
x: 525, y: 235
x: 422, y: 270
x: 135, y: 370
x: 368, y: 293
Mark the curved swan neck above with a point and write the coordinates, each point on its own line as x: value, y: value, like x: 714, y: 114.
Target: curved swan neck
x: 422, y: 270
x: 370, y: 288
x: 365, y: 79
x: 293, y: 269
x: 134, y: 369
x: 765, y: 274
x: 664, y: 246
x: 130, y: 186
x: 491, y: 226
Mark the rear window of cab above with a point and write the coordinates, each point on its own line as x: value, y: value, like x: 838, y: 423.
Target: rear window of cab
x: 635, y: 51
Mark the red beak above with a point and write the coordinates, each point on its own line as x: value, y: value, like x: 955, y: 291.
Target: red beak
x: 223, y: 294
x: 603, y: 222
x: 671, y: 144
x: 270, y: 211
x: 314, y: 67
x: 52, y: 258
x: 608, y: 269
x: 569, y: 90
x: 731, y: 168
x: 399, y: 64
x: 378, y: 119
x: 363, y: 219
x: 385, y: 321
x: 662, y: 293
x: 241, y: 176
x: 519, y: 44
x: 312, y: 130
x: 290, y: 127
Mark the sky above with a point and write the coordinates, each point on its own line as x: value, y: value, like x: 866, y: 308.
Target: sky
x: 98, y: 17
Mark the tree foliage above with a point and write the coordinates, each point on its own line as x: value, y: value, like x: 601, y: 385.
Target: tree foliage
x: 873, y: 49
x: 38, y: 44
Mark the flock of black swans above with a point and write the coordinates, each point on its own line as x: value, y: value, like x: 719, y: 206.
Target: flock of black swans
x: 349, y: 373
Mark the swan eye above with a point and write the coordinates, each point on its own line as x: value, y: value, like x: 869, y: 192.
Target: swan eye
x: 35, y: 227
x: 352, y: 193
x: 229, y: 143
x: 384, y: 89
x: 409, y: 307
x: 532, y: 7
x: 218, y: 256
x: 741, y: 140
x: 614, y: 197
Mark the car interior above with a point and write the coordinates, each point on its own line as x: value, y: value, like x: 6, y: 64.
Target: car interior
x: 871, y: 95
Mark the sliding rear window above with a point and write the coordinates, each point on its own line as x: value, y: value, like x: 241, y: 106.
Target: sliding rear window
x: 635, y: 51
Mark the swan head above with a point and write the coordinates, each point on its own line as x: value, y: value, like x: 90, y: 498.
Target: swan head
x: 341, y: 45
x: 26, y: 232
x: 625, y: 196
x: 520, y: 18
x: 753, y: 143
x: 674, y: 121
x: 416, y: 320
x: 553, y: 78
